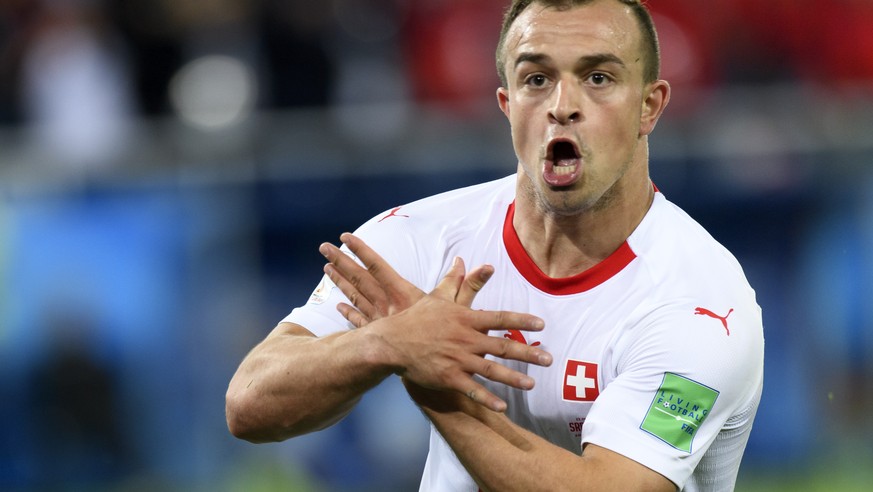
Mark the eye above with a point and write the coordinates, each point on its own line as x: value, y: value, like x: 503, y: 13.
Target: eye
x: 536, y: 80
x: 599, y: 79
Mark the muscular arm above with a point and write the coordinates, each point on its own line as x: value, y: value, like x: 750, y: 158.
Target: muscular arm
x: 293, y: 383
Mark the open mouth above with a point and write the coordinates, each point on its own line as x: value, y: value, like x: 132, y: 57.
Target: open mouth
x: 564, y: 157
x: 563, y: 166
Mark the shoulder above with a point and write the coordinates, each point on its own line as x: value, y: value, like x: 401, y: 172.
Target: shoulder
x: 414, y: 237
x: 696, y: 309
x: 455, y: 204
x: 677, y: 252
x: 460, y: 210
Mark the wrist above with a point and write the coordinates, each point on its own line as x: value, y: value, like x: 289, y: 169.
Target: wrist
x: 377, y: 353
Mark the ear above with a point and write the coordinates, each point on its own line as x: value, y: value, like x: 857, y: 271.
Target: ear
x: 503, y: 100
x: 655, y: 99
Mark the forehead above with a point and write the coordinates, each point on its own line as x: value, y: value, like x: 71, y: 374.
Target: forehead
x: 598, y: 27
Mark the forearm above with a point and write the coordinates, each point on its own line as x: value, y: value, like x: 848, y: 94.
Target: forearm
x: 292, y: 384
x: 502, y: 456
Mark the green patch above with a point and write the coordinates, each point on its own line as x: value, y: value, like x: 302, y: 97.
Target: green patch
x: 679, y: 408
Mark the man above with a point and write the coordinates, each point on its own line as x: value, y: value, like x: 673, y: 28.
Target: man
x: 642, y: 367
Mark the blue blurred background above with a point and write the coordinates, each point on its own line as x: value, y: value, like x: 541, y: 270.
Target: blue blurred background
x: 168, y: 169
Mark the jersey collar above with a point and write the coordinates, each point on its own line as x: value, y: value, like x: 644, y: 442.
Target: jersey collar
x: 581, y: 282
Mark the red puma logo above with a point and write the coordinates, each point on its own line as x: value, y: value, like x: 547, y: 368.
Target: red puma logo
x: 709, y: 313
x: 518, y: 337
x: 393, y: 213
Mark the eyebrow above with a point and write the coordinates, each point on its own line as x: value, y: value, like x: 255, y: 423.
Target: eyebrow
x: 582, y: 63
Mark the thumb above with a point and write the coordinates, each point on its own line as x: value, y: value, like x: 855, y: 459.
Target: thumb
x: 448, y: 287
x: 473, y: 283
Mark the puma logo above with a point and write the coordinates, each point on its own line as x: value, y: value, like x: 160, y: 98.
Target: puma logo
x: 393, y: 213
x: 723, y: 319
x: 517, y: 336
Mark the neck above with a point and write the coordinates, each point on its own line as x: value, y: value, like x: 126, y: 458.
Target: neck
x: 565, y: 245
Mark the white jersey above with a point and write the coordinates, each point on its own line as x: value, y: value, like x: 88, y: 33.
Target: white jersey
x: 658, y: 350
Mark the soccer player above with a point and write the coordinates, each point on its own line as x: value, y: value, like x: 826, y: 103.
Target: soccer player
x: 605, y: 342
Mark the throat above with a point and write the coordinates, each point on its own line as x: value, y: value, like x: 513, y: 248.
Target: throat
x: 561, y: 248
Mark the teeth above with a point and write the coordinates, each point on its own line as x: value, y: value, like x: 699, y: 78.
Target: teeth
x: 561, y: 170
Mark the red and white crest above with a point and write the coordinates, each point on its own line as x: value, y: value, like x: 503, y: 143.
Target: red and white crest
x: 580, y: 381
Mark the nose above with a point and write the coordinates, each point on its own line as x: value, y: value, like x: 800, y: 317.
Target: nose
x: 565, y: 107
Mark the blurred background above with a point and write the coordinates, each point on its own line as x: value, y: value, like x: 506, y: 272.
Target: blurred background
x: 169, y: 167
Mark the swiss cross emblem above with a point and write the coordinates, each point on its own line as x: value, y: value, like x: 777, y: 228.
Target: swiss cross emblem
x: 580, y: 381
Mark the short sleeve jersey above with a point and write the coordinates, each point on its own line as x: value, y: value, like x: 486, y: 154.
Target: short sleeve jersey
x: 658, y: 349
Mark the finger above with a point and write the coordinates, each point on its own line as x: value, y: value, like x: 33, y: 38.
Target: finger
x: 399, y: 293
x: 508, y: 349
x: 499, y: 373
x: 354, y: 280
x: 361, y: 302
x: 451, y: 283
x: 473, y: 283
x: 375, y: 264
x: 485, y: 321
x: 479, y: 394
x: 353, y: 316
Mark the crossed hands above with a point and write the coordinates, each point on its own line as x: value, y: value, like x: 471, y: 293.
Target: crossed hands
x: 434, y: 341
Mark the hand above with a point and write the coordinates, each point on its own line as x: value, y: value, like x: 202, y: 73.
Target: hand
x: 435, y: 339
x: 377, y: 290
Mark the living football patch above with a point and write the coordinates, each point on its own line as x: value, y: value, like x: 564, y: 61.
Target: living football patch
x: 678, y: 410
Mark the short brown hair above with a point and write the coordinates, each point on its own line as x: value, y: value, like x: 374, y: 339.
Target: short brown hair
x: 652, y: 67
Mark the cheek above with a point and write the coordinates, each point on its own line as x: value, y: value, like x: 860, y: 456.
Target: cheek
x: 621, y: 129
x: 521, y: 132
